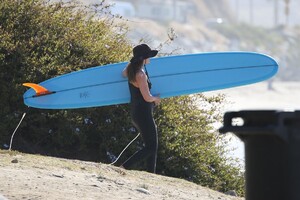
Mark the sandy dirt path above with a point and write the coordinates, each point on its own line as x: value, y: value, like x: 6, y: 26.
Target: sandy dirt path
x: 33, y: 177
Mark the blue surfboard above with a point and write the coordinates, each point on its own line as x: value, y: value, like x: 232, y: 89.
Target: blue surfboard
x: 170, y: 76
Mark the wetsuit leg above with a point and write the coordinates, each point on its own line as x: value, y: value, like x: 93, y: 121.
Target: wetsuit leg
x: 145, y: 124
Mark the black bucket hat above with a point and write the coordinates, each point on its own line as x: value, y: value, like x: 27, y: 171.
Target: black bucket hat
x: 141, y: 52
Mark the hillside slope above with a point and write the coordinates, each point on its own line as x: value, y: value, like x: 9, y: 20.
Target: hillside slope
x: 25, y: 176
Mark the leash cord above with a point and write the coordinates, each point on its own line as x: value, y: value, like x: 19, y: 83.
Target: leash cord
x: 24, y: 114
x: 125, y: 149
x: 12, y: 137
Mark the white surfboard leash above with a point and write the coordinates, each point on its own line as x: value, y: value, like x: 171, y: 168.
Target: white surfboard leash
x: 23, y: 116
x: 125, y: 149
x: 12, y: 136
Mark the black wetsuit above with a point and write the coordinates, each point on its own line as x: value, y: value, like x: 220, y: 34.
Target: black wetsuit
x: 142, y: 119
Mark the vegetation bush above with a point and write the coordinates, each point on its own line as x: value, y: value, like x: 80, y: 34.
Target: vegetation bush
x: 190, y: 147
x: 40, y: 40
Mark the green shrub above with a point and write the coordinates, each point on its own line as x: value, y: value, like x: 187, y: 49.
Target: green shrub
x: 40, y: 40
x: 190, y: 146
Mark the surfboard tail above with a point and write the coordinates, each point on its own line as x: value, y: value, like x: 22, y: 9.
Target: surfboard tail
x: 39, y: 90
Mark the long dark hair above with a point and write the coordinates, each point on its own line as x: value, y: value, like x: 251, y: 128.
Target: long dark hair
x: 133, y: 68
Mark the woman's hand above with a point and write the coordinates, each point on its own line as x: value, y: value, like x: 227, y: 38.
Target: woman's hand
x: 157, y: 100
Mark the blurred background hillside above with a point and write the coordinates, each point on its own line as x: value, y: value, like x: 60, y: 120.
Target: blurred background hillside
x: 266, y: 26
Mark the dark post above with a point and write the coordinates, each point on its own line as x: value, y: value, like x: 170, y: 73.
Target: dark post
x: 272, y: 152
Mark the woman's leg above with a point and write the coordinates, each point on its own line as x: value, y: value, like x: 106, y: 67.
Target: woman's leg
x: 146, y: 126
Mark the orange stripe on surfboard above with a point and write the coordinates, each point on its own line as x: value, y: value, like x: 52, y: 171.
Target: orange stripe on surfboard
x: 39, y: 90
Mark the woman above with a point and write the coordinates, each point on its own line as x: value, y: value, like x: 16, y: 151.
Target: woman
x: 141, y: 106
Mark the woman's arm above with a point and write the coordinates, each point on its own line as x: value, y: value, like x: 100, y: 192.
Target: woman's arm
x: 124, y: 72
x: 141, y: 80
